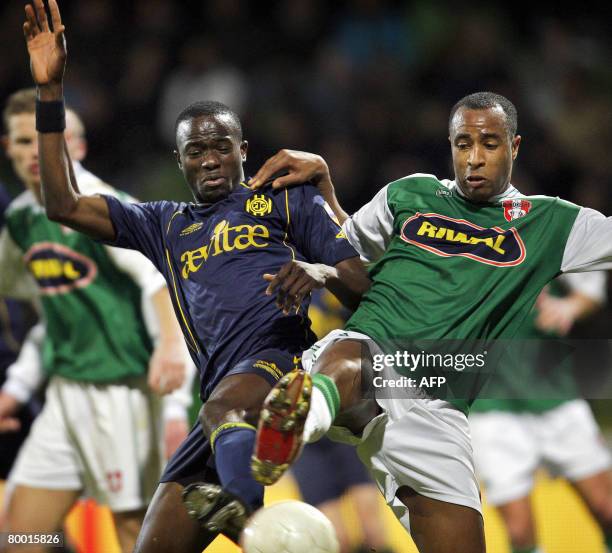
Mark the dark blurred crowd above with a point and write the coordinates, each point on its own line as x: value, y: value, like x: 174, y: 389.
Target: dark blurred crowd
x: 366, y: 83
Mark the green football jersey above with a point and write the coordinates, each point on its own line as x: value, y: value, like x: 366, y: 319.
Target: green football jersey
x: 92, y: 307
x: 455, y: 276
x: 538, y: 375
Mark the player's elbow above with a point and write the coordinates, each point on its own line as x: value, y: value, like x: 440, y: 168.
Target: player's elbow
x: 58, y: 214
x: 63, y: 211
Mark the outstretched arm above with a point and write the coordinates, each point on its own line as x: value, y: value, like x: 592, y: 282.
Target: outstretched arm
x: 47, y: 49
x: 296, y: 168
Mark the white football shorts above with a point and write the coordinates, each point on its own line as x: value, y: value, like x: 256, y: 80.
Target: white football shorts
x: 103, y: 439
x: 421, y: 443
x: 509, y: 447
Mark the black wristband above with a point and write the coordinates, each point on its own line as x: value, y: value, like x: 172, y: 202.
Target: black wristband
x: 50, y: 116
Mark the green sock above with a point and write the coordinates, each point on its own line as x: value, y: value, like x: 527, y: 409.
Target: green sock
x: 330, y: 392
x: 608, y: 542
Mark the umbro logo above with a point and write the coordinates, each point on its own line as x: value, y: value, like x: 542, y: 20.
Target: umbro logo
x: 191, y: 228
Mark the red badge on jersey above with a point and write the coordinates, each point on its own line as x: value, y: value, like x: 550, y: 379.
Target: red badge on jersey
x: 515, y: 209
x: 115, y: 480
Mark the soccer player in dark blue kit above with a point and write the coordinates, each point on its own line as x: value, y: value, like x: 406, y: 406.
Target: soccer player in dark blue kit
x: 214, y: 254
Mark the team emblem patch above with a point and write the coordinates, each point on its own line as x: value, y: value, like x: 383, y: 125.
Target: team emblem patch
x: 448, y: 237
x: 58, y: 269
x: 515, y: 208
x: 115, y: 480
x: 258, y: 205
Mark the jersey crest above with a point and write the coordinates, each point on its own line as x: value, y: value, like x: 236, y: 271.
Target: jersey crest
x: 515, y: 208
x: 258, y: 205
x: 447, y: 237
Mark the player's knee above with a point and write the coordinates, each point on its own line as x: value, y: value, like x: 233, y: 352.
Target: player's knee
x: 343, y: 362
x: 217, y: 413
x: 238, y: 398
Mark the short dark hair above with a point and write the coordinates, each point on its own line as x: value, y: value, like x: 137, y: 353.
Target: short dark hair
x: 488, y: 100
x: 199, y: 109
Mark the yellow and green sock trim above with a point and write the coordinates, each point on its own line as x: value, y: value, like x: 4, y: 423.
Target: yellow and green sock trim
x: 225, y: 427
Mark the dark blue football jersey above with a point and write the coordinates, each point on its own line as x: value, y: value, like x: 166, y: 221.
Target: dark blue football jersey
x: 214, y: 258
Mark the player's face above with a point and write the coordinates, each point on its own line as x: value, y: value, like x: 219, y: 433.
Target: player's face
x: 483, y: 152
x: 22, y: 149
x: 210, y: 154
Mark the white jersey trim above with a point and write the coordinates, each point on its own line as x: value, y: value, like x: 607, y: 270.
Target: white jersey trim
x: 370, y: 229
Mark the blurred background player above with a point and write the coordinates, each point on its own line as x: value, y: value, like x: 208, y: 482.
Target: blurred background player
x: 330, y: 475
x: 530, y: 416
x: 99, y: 431
x: 16, y: 318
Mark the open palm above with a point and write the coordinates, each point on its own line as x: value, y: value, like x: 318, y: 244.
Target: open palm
x: 46, y: 46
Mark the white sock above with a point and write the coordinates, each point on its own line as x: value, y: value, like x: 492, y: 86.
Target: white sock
x: 319, y: 417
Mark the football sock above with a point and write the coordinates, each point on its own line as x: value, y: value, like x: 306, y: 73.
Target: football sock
x: 533, y: 549
x: 324, y: 407
x: 608, y: 542
x: 233, y: 446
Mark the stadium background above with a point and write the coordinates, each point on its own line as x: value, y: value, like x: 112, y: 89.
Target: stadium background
x: 368, y: 84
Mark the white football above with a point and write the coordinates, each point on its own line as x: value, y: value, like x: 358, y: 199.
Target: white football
x: 289, y: 527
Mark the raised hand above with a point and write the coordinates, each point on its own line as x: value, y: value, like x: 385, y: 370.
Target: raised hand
x: 46, y: 46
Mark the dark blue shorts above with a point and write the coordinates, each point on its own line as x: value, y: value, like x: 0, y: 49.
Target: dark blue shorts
x: 194, y: 461
x: 326, y: 470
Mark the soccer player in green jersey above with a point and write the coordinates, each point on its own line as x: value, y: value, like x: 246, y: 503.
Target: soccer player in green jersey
x: 453, y: 262
x: 99, y: 431
x: 530, y: 415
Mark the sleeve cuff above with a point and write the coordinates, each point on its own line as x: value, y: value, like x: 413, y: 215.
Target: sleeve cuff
x: 18, y: 390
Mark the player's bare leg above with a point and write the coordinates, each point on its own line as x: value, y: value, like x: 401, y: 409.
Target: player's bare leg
x: 440, y: 527
x: 229, y: 418
x: 366, y: 500
x: 127, y: 525
x: 518, y: 518
x: 237, y: 399
x: 596, y: 491
x: 287, y: 420
x: 37, y: 510
x: 332, y: 509
x: 167, y: 528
